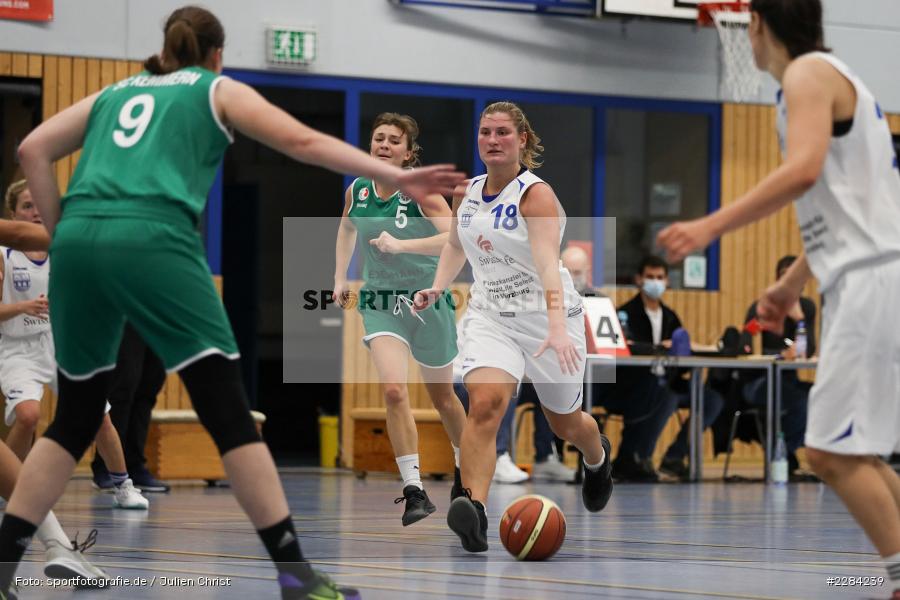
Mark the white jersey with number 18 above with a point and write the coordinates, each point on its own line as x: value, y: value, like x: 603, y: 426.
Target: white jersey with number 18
x: 494, y: 236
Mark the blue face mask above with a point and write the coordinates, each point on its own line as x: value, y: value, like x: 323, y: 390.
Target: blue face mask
x: 654, y: 288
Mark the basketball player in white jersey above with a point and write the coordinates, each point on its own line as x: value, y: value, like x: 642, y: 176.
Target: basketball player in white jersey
x: 840, y: 167
x: 509, y: 225
x: 27, y: 361
x: 64, y: 558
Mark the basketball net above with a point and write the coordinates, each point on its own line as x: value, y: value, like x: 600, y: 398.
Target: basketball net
x: 740, y: 80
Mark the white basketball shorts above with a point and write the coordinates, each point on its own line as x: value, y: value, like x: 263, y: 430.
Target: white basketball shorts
x: 26, y: 366
x: 854, y: 406
x: 508, y: 341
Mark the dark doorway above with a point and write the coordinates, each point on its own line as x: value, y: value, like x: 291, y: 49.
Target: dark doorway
x: 261, y: 187
x: 20, y: 112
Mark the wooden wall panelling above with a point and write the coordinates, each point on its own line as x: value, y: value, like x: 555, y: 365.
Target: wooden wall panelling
x: 120, y: 69
x: 35, y: 65
x: 93, y: 76
x: 107, y: 72
x: 20, y: 65
x: 894, y: 123
x: 63, y: 101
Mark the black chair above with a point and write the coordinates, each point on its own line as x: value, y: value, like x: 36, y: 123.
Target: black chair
x: 756, y: 414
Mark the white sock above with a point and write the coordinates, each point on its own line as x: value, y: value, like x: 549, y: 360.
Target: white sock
x: 409, y: 470
x: 50, y: 529
x: 455, y: 455
x: 892, y: 564
x: 599, y: 464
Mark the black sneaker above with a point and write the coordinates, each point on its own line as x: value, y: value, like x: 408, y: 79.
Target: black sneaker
x: 418, y: 506
x: 597, y: 486
x: 457, y: 490
x: 467, y: 519
x: 146, y: 482
x: 675, y: 467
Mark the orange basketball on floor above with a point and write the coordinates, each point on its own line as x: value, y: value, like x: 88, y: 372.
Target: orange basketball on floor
x: 532, y: 528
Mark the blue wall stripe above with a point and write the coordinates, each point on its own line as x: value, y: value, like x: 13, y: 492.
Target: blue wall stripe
x: 351, y: 136
x: 599, y: 196
x: 715, y: 193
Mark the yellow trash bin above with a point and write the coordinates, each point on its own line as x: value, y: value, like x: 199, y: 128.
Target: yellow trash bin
x: 328, y: 440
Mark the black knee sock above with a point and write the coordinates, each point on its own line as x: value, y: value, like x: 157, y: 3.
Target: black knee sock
x: 281, y: 542
x: 15, y: 537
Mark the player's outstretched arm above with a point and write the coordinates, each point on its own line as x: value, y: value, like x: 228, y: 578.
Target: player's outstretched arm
x: 24, y: 236
x: 539, y: 208
x: 247, y: 111
x: 343, y: 252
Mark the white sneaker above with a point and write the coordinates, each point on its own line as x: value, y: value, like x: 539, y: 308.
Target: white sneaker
x: 69, y: 563
x: 127, y: 496
x: 507, y: 471
x: 552, y: 470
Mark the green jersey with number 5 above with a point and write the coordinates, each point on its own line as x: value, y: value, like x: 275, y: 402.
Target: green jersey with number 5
x: 400, y: 217
x: 153, y: 145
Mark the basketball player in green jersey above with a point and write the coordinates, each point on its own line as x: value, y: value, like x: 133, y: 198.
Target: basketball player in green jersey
x: 399, y: 244
x: 127, y: 248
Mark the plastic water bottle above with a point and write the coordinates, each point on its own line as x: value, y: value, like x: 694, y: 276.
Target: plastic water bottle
x: 779, y: 466
x: 800, y: 340
x: 623, y: 321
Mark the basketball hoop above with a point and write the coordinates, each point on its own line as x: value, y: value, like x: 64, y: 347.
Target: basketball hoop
x: 740, y: 79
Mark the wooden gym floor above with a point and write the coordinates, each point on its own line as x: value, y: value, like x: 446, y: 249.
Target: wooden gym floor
x: 709, y: 540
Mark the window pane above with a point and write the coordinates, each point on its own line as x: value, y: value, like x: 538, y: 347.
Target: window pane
x: 657, y: 172
x: 566, y: 134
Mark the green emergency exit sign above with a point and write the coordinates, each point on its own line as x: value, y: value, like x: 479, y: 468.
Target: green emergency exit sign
x: 291, y: 45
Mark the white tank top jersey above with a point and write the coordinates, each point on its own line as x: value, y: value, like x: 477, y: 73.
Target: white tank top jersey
x: 851, y: 216
x: 494, y: 237
x: 23, y: 279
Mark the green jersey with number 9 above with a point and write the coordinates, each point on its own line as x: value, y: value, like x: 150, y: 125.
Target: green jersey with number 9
x: 153, y: 146
x: 400, y: 217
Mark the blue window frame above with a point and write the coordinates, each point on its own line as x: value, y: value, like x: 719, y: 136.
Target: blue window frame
x: 480, y: 96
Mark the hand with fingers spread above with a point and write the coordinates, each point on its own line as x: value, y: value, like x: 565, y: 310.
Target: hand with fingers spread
x: 386, y: 243
x: 684, y: 237
x: 425, y: 298
x: 418, y: 183
x: 558, y: 339
x: 773, y: 306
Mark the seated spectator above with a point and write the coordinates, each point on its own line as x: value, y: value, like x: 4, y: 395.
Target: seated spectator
x: 638, y: 395
x: 651, y: 324
x: 794, y: 393
x: 578, y: 263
